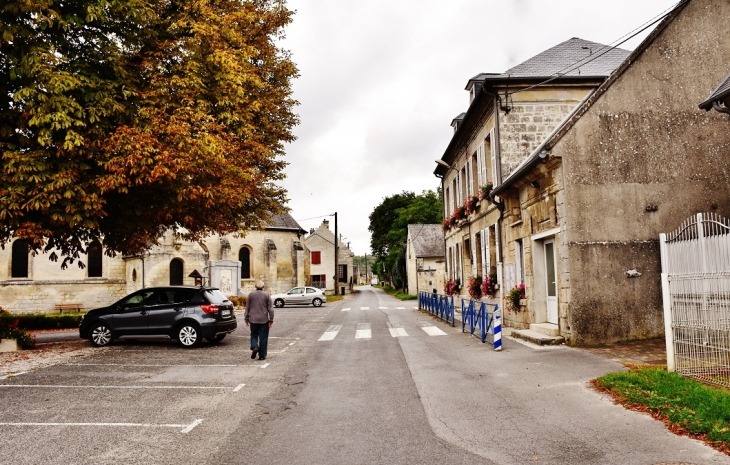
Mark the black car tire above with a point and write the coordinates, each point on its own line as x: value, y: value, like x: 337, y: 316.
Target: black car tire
x: 317, y: 302
x: 101, y: 335
x: 188, y: 335
x: 278, y: 303
x: 216, y: 339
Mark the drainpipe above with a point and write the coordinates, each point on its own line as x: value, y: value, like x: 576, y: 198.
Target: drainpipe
x: 500, y: 204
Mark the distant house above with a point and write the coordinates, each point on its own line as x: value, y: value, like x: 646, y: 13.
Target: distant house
x: 320, y: 244
x: 33, y: 283
x: 510, y: 114
x: 583, y: 212
x: 425, y: 266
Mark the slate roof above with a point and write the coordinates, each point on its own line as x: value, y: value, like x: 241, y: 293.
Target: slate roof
x: 573, y: 58
x: 721, y: 93
x: 283, y: 221
x: 427, y: 240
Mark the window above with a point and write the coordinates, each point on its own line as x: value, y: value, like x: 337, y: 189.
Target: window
x: 342, y: 273
x: 93, y: 255
x: 318, y: 280
x: 316, y: 258
x: 244, y: 256
x: 519, y: 262
x: 176, y: 272
x: 19, y: 268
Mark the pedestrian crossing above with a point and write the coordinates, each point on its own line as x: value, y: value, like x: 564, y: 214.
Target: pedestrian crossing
x: 365, y: 331
x: 347, y: 309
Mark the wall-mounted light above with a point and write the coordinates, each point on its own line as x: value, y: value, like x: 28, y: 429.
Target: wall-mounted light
x: 443, y: 163
x: 535, y: 184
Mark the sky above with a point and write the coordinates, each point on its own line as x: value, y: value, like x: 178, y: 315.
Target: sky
x: 381, y: 80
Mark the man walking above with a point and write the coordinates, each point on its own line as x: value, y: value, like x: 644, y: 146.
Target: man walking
x: 260, y: 316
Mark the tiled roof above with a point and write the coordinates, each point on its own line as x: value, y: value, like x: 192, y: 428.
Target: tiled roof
x: 574, y: 57
x: 721, y: 93
x: 427, y: 239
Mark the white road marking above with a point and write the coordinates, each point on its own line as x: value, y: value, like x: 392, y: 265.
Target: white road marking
x: 238, y: 388
x: 396, y: 332
x: 292, y: 343
x: 363, y: 331
x: 186, y: 428
x: 346, y: 309
x: 66, y: 386
x: 400, y: 308
x: 12, y: 375
x: 364, y: 308
x: 433, y: 331
x: 331, y: 333
x: 265, y: 365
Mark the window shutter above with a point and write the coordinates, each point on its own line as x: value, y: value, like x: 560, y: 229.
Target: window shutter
x: 493, y: 146
x: 470, y: 175
x: 474, y: 252
x: 486, y: 251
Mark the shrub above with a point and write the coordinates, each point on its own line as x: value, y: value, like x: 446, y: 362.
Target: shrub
x: 35, y: 321
x: 513, y: 298
x: 9, y: 330
x: 238, y: 301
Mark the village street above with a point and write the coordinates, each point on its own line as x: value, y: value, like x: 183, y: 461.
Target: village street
x: 368, y: 379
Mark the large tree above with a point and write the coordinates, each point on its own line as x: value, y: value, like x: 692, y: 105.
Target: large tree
x: 122, y: 119
x: 389, y: 230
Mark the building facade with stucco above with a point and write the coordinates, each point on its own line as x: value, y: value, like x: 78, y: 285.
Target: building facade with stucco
x: 425, y: 258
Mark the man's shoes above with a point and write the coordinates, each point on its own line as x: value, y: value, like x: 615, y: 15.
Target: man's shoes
x: 262, y: 358
x: 254, y: 352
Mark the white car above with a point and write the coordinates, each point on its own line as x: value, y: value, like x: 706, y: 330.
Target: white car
x: 303, y: 295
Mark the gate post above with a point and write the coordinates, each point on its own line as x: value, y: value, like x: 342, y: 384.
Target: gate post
x: 667, y: 303
x: 497, y: 328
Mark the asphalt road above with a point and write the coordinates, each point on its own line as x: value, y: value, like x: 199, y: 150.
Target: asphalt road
x: 360, y: 381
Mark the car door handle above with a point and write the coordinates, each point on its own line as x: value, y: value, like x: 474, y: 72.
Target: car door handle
x: 177, y: 309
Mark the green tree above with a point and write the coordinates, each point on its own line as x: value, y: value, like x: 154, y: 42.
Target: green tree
x: 389, y: 230
x: 122, y: 119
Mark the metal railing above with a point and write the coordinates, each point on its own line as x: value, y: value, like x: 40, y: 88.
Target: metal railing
x: 438, y: 305
x: 475, y: 315
x: 696, y: 294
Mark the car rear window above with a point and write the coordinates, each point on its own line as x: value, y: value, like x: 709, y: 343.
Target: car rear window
x: 214, y: 296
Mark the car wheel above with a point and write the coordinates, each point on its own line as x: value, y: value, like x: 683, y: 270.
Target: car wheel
x: 279, y: 303
x: 317, y: 302
x: 101, y: 335
x: 216, y: 339
x: 188, y: 335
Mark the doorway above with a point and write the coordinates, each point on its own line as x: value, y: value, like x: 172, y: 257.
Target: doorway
x: 551, y: 281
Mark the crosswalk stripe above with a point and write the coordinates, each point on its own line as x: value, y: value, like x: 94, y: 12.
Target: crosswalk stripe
x: 396, y: 332
x: 364, y: 331
x: 364, y: 308
x: 331, y: 333
x: 400, y: 308
x: 383, y: 308
x: 433, y: 331
x: 346, y: 309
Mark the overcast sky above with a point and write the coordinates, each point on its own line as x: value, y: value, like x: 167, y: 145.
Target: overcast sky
x: 381, y: 80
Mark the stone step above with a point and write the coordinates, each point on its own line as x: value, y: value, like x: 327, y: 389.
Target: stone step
x: 537, y: 338
x: 547, y: 329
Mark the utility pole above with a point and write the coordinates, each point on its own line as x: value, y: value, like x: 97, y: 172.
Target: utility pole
x: 337, y: 274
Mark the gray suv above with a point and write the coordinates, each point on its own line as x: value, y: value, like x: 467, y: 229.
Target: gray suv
x: 187, y: 314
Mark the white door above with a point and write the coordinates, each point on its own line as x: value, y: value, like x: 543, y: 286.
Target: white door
x: 551, y: 275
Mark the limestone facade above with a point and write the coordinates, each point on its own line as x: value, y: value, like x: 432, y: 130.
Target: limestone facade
x: 425, y: 264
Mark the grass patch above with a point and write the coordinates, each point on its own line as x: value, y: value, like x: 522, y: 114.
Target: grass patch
x: 397, y: 294
x: 686, y: 406
x: 334, y: 298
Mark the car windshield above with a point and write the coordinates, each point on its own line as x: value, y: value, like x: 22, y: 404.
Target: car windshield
x: 214, y: 296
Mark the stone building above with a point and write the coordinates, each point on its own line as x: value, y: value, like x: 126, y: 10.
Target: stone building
x: 320, y: 244
x: 583, y: 212
x: 33, y: 283
x: 425, y: 258
x: 509, y: 115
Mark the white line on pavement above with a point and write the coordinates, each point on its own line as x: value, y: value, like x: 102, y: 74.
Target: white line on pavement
x: 186, y: 428
x: 400, y: 308
x: 383, y: 308
x: 364, y: 331
x: 396, y: 332
x: 238, y: 388
x: 12, y: 375
x: 433, y: 331
x: 62, y: 386
x: 364, y: 308
x: 265, y: 365
x: 133, y: 365
x: 346, y: 309
x: 331, y: 333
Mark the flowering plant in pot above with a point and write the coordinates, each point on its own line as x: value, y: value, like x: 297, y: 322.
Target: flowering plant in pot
x: 475, y: 287
x: 486, y: 190
x: 446, y: 224
x: 473, y: 202
x: 489, y: 285
x: 452, y: 286
x: 513, y: 298
x: 462, y: 212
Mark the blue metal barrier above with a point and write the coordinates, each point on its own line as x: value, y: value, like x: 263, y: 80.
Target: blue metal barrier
x: 476, y: 316
x: 441, y: 306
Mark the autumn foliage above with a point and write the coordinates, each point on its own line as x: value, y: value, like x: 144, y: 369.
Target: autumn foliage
x: 122, y: 119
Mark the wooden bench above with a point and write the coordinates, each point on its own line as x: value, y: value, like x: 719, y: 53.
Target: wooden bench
x: 67, y: 307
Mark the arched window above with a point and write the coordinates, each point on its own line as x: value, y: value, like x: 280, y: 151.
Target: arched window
x: 93, y: 253
x: 20, y: 260
x: 176, y: 272
x: 244, y: 256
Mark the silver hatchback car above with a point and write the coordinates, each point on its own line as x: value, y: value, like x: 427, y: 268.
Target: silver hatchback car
x: 302, y: 295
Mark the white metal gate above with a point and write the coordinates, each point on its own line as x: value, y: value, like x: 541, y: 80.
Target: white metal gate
x: 696, y: 293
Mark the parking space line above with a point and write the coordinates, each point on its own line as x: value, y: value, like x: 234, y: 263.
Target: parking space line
x: 238, y: 388
x: 186, y: 428
x: 364, y: 308
x: 400, y: 308
x: 12, y: 375
x: 135, y: 365
x: 265, y: 365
